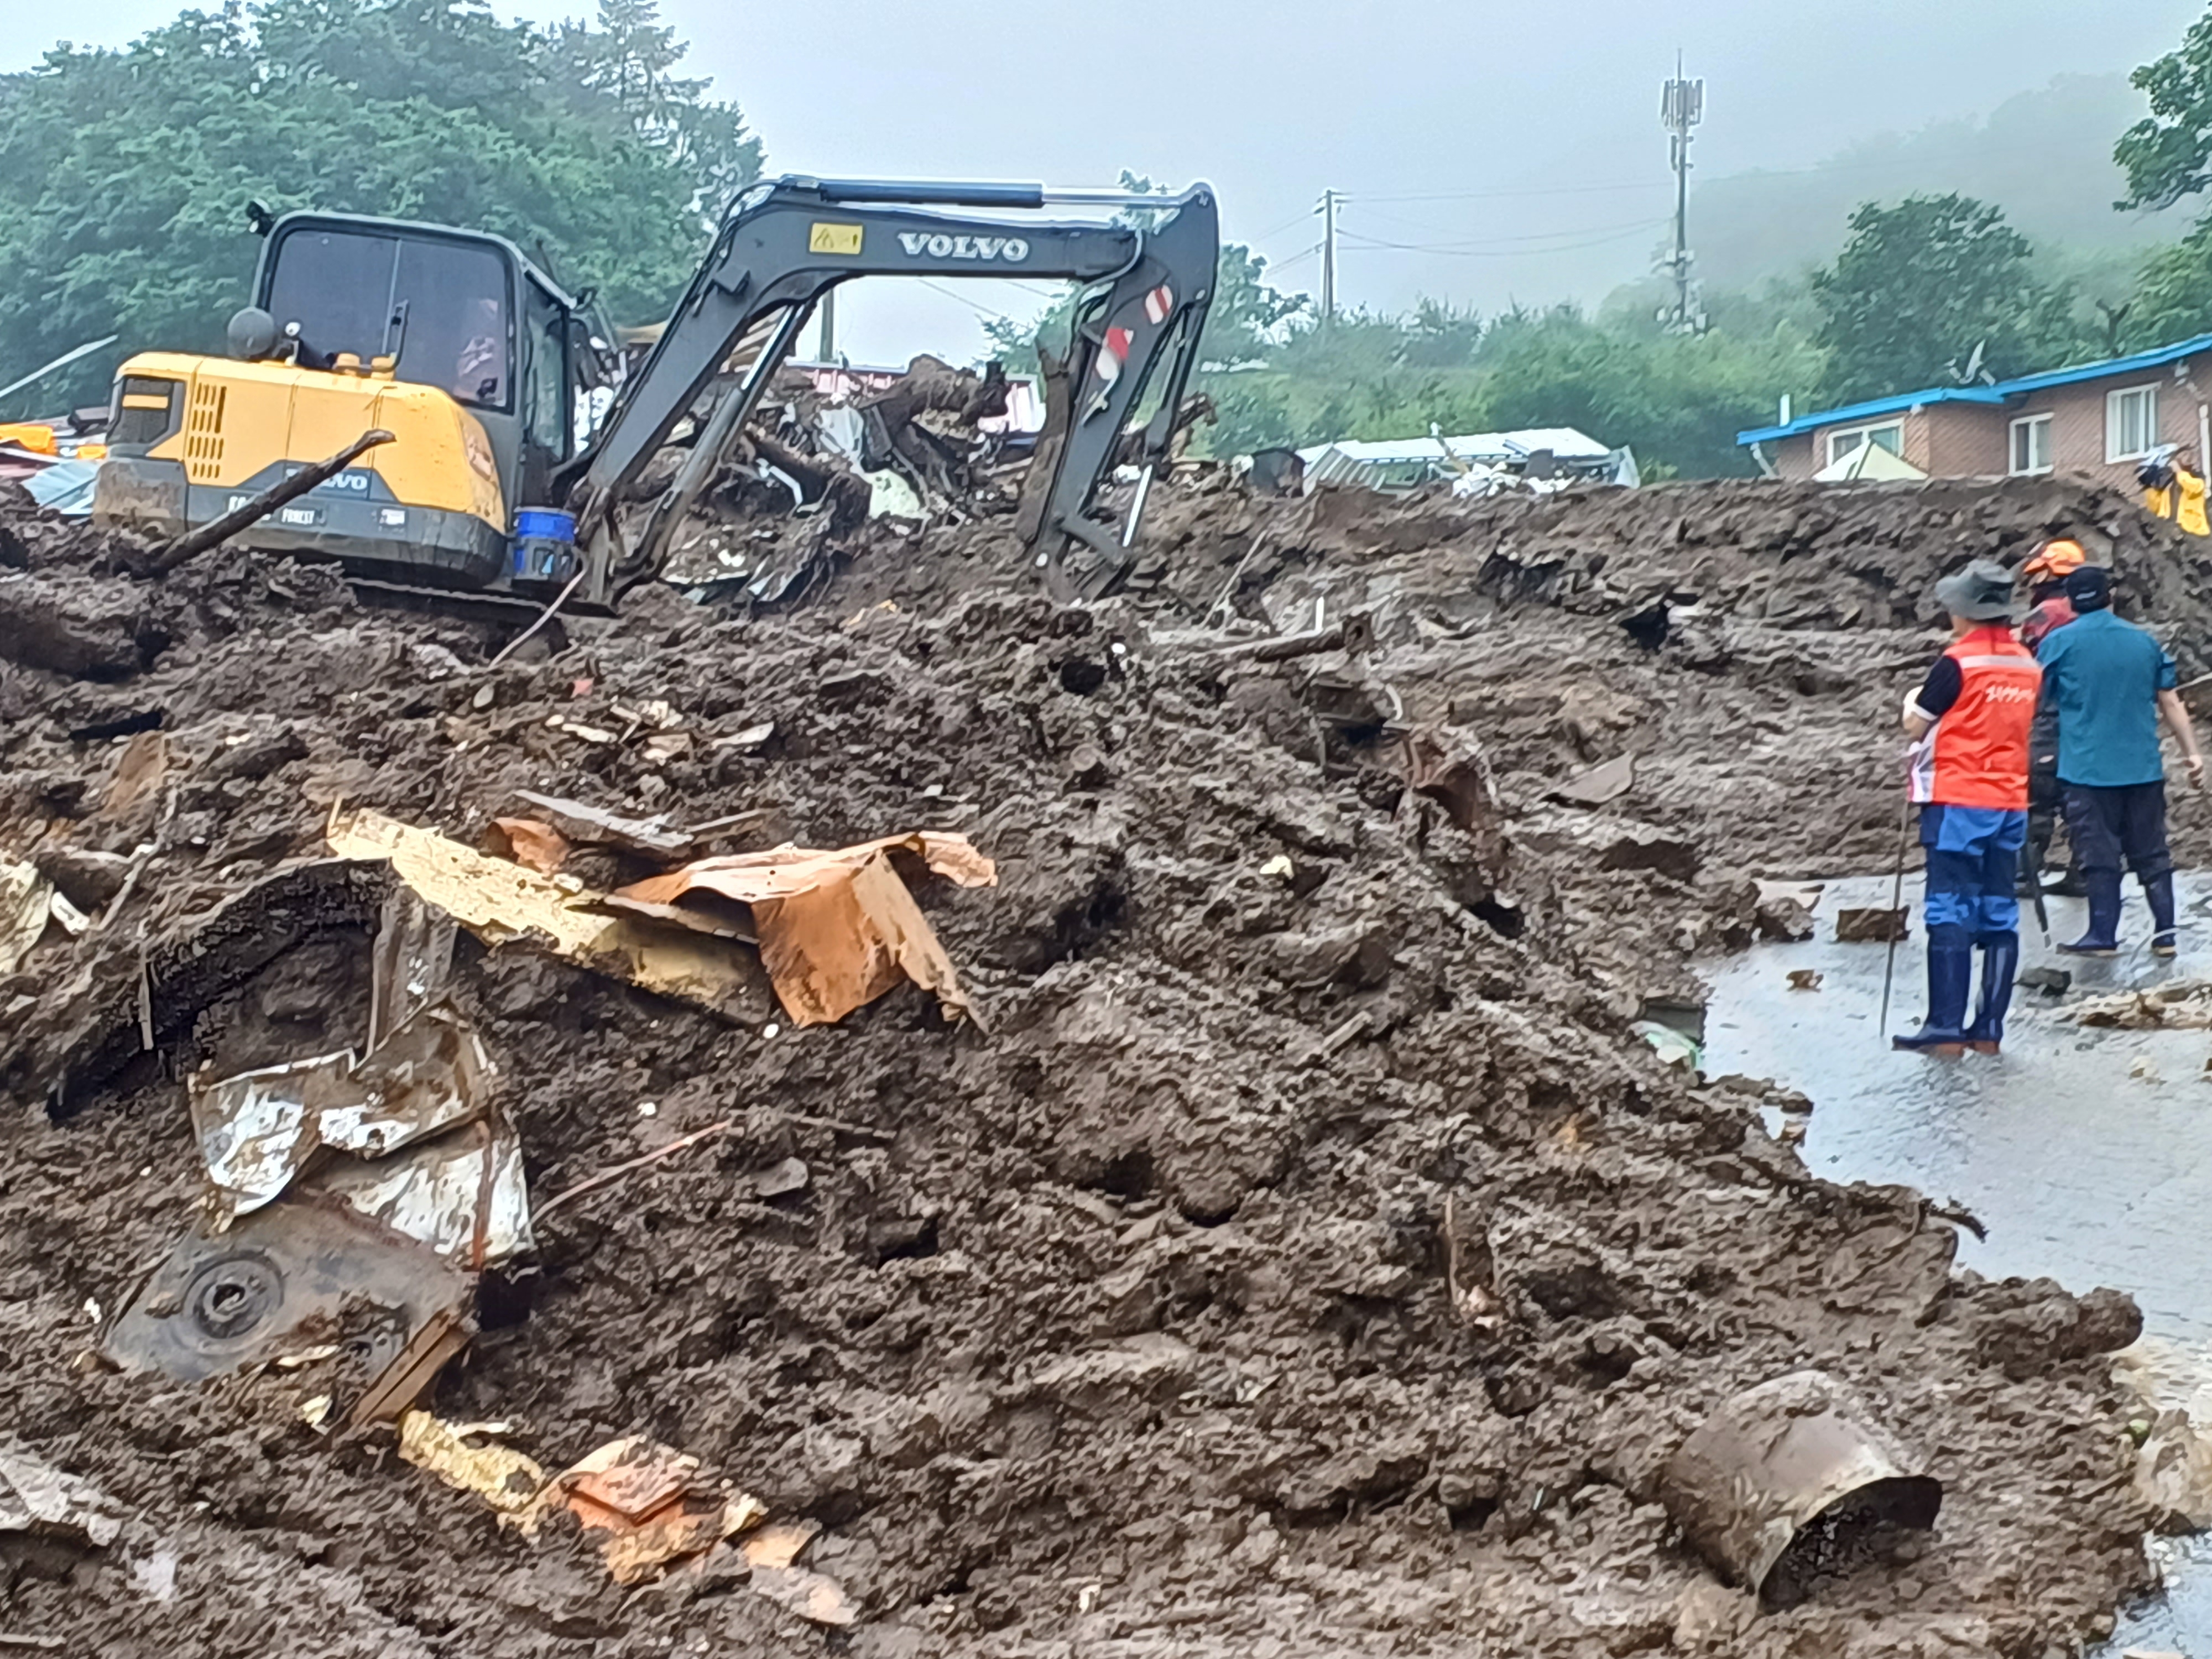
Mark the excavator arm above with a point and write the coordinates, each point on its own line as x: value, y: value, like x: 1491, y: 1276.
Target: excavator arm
x: 785, y: 244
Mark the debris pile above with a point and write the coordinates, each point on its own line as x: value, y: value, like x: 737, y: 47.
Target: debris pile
x: 1257, y: 1226
x: 800, y: 481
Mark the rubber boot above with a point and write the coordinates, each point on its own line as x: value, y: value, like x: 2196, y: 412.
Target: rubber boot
x: 1950, y: 973
x: 2159, y: 890
x: 2000, y: 963
x: 2103, y: 938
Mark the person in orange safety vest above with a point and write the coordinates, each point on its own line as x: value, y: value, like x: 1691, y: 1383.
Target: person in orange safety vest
x: 1970, y: 723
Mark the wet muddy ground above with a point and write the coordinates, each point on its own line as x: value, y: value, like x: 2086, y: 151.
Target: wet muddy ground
x: 1137, y: 1320
x: 2086, y: 1154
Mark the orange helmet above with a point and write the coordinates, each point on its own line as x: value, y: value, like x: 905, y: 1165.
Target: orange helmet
x: 2055, y: 560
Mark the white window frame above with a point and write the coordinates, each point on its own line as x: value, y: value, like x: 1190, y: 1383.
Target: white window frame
x: 2113, y: 453
x: 2013, y: 468
x: 1865, y: 435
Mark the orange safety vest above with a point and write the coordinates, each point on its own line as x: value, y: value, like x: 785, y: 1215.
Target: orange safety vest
x: 1976, y: 753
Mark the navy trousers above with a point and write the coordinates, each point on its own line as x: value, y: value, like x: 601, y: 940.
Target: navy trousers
x: 2111, y: 826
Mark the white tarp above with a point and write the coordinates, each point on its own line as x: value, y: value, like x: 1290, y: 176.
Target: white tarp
x: 1867, y: 461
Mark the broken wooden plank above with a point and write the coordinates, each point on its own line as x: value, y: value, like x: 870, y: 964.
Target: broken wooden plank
x: 502, y: 903
x: 678, y: 916
x: 1356, y: 633
x: 592, y: 826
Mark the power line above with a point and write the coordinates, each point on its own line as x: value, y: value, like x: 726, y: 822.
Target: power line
x: 1890, y: 165
x: 1481, y: 242
x: 1440, y: 230
x: 1593, y: 237
x: 1299, y: 220
x: 1494, y: 195
x: 975, y: 306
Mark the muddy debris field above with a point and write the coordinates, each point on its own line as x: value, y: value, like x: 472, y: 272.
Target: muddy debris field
x: 1201, y: 1188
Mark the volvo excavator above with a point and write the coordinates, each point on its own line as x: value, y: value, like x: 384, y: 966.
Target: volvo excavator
x: 515, y: 436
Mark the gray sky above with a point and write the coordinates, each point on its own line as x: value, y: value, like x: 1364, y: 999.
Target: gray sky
x: 1533, y: 129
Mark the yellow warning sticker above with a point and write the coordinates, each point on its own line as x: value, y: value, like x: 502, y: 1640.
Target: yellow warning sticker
x: 834, y: 239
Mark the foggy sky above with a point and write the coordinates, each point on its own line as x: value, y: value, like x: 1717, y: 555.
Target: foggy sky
x: 1540, y: 120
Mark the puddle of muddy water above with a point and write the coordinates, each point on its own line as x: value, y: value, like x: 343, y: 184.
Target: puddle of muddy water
x: 2087, y: 1154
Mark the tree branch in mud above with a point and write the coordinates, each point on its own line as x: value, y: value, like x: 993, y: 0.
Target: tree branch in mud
x: 929, y: 385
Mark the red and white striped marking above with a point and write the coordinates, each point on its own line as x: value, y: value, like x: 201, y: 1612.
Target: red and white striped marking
x: 1113, y: 354
x: 1159, y: 304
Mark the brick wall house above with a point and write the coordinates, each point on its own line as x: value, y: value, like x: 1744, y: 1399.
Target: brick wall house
x: 2098, y: 420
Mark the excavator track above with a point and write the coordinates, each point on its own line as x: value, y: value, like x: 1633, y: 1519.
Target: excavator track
x: 511, y: 611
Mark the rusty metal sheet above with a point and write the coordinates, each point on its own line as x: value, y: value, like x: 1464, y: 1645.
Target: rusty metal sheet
x: 502, y: 902
x: 651, y: 1503
x: 409, y: 962
x: 837, y: 929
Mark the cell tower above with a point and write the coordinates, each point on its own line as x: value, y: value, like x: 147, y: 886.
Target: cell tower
x: 1682, y: 106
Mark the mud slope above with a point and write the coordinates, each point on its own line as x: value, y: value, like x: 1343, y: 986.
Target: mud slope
x: 1304, y: 1259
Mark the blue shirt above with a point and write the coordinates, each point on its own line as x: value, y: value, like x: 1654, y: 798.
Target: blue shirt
x: 2104, y: 676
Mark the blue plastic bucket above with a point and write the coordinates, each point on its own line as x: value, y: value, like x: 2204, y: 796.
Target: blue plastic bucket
x: 544, y: 524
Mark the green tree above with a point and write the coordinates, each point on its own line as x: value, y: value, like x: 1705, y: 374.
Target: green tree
x: 124, y: 173
x: 1921, y: 286
x: 2167, y: 155
x: 1677, y: 400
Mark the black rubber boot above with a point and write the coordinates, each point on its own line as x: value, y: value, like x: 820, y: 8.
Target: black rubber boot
x: 2000, y: 963
x: 1950, y: 976
x: 2103, y: 938
x: 2159, y: 891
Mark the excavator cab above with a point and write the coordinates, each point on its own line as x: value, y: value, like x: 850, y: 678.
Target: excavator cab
x: 486, y: 373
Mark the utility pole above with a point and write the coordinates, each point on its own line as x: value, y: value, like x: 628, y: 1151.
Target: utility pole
x: 1327, y: 258
x: 1682, y: 106
x: 827, y: 353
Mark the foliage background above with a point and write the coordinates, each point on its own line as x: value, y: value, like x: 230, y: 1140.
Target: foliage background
x: 123, y: 175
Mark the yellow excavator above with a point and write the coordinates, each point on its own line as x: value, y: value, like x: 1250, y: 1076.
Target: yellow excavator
x: 515, y: 431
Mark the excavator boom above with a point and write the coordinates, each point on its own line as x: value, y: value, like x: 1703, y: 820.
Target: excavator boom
x: 785, y: 244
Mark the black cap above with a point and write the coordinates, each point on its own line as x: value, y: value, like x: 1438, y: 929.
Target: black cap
x: 2090, y: 588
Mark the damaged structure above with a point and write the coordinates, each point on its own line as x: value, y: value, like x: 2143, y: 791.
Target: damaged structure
x: 932, y: 1120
